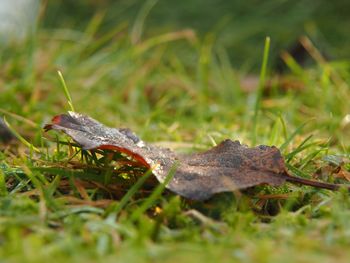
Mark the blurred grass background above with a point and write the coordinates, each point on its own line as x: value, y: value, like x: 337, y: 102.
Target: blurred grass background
x: 233, y: 25
x: 188, y: 60
x: 164, y: 66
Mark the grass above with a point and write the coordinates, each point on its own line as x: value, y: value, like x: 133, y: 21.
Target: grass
x: 63, y: 203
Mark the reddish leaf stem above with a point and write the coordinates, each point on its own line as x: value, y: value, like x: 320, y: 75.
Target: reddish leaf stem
x: 314, y: 183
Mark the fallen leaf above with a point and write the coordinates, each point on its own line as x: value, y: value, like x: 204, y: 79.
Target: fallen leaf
x: 228, y: 166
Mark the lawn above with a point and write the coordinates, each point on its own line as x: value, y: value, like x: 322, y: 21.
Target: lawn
x: 176, y: 89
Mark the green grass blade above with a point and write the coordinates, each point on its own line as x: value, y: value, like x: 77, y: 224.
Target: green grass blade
x: 153, y: 197
x: 66, y: 91
x: 3, y: 188
x: 291, y: 137
x: 301, y: 147
x: 307, y: 159
x: 260, y: 88
x: 137, y: 29
x: 296, y: 171
x: 20, y: 138
x: 19, y: 118
x: 126, y: 198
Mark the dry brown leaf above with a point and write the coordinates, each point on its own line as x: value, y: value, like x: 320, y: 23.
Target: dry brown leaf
x: 228, y: 166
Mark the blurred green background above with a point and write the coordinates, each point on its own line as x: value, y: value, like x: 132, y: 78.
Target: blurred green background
x: 183, y: 60
x: 237, y: 26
